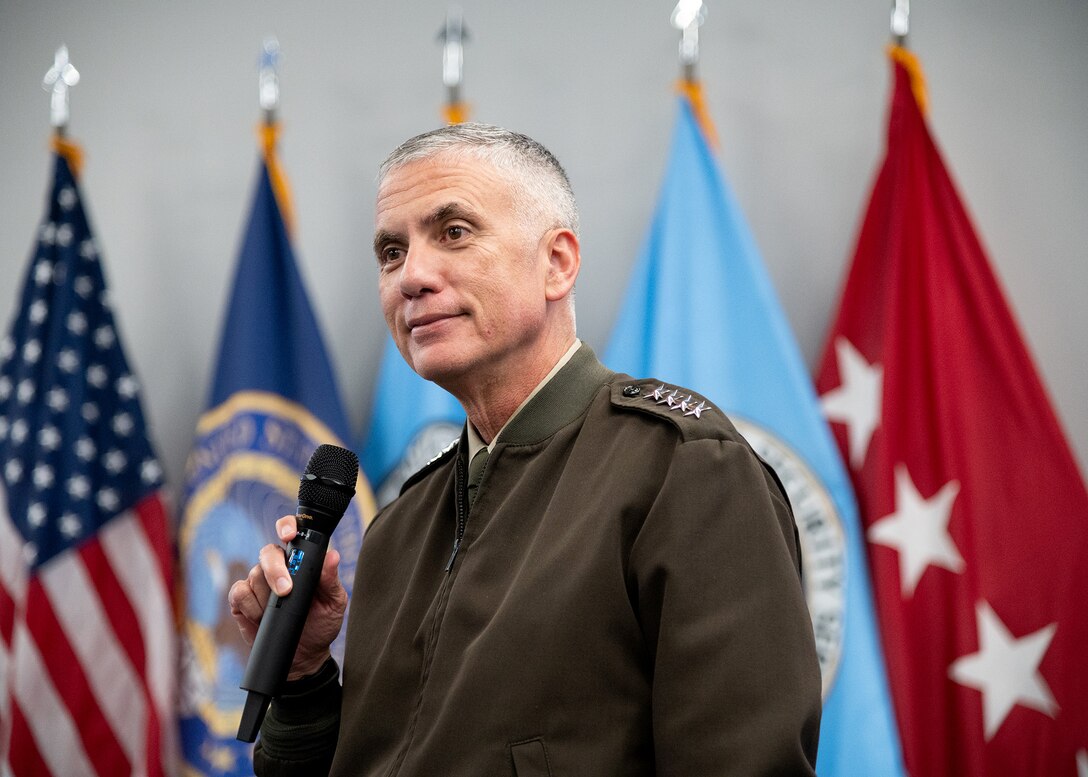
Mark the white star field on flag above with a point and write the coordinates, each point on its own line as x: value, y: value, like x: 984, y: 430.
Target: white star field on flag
x: 71, y: 385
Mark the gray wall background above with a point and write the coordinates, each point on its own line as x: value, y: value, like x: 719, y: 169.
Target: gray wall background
x: 166, y: 112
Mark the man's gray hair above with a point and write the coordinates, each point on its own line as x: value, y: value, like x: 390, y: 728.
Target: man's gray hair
x: 542, y: 189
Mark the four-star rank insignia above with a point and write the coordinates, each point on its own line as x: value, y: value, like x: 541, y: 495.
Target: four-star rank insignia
x: 662, y: 396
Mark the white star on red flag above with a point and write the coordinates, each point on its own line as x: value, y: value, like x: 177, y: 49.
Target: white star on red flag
x: 918, y: 529
x: 856, y: 401
x: 1005, y: 669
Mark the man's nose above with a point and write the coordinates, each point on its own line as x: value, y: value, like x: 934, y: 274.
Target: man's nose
x: 421, y: 271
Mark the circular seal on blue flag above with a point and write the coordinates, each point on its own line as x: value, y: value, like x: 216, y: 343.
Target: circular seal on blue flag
x: 823, y: 543
x: 428, y: 442
x: 242, y: 476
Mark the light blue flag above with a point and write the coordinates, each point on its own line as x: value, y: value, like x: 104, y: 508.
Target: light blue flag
x: 274, y: 399
x: 411, y: 421
x: 701, y: 312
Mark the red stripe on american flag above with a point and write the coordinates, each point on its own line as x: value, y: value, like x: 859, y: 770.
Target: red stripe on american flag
x: 138, y: 550
x: 24, y: 755
x: 148, y: 514
x: 7, y: 615
x: 126, y: 628
x: 64, y: 668
x: 152, y: 517
x: 115, y: 603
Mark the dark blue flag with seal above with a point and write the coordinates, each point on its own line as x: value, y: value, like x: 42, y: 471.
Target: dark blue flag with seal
x: 274, y: 399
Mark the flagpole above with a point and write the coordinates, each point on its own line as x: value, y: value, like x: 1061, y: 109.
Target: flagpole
x: 268, y: 80
x: 900, y: 22
x: 688, y: 17
x: 898, y: 51
x: 61, y: 77
x: 58, y: 80
x: 268, y: 97
x: 452, y: 37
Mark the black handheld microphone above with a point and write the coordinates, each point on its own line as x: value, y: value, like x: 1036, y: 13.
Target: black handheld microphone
x: 324, y: 492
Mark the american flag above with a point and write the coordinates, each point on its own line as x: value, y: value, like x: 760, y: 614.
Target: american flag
x: 87, y: 632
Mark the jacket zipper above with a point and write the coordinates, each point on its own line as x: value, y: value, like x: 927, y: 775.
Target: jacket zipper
x: 462, y: 513
x: 440, y: 611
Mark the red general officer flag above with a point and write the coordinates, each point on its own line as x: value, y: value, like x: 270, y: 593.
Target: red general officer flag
x: 975, y: 512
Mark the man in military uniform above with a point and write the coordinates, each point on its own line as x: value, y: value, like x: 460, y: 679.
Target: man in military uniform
x: 599, y: 578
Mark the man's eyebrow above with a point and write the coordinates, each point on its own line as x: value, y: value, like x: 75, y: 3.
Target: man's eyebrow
x: 382, y: 237
x: 451, y: 210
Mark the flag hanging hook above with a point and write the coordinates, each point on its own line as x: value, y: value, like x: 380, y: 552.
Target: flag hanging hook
x: 900, y: 21
x: 688, y: 17
x: 58, y: 79
x: 268, y: 79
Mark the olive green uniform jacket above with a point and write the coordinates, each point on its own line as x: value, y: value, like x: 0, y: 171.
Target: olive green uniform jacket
x: 623, y: 598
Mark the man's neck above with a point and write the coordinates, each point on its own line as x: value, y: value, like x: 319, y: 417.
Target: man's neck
x: 488, y: 418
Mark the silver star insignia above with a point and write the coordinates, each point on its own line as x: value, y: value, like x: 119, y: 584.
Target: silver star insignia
x: 697, y: 410
x: 683, y: 405
x: 658, y: 394
x: 671, y: 400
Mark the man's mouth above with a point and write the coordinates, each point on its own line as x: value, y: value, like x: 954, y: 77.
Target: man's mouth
x: 426, y: 319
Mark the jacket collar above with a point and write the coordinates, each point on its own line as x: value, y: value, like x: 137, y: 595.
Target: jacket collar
x: 560, y: 401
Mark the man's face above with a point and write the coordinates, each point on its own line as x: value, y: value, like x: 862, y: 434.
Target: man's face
x: 462, y: 279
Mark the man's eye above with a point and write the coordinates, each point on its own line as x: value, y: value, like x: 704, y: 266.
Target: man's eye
x: 455, y: 233
x: 389, y: 255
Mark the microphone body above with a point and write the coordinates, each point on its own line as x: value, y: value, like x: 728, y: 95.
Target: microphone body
x: 323, y: 497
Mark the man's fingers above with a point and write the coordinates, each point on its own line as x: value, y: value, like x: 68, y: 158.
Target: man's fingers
x: 330, y: 590
x: 275, y: 569
x: 330, y: 570
x: 246, y: 607
x: 287, y: 527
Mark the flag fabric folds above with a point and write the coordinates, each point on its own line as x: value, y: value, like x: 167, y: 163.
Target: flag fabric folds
x: 700, y: 311
x: 974, y: 509
x: 87, y: 632
x: 274, y: 399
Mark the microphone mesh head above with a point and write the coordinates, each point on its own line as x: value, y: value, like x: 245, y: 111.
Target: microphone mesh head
x: 333, y: 463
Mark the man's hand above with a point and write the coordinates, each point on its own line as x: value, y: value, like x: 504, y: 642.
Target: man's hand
x: 249, y: 597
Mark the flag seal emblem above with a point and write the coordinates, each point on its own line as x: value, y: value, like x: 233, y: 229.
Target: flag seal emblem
x: 419, y: 452
x: 823, y: 543
x: 245, y: 473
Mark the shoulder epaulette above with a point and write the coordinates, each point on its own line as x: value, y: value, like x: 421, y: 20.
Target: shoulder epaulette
x: 695, y: 415
x: 434, y: 463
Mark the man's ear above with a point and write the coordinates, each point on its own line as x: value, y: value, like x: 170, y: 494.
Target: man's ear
x: 564, y: 261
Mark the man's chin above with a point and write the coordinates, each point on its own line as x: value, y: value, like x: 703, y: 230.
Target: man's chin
x: 435, y: 367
